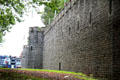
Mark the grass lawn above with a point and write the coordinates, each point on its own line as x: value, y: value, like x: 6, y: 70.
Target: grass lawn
x: 17, y: 76
x: 77, y: 75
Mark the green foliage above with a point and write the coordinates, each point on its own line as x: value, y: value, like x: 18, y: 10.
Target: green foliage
x: 49, y: 13
x: 10, y: 12
x: 50, y: 8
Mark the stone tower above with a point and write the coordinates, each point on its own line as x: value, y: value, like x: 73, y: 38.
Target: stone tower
x: 35, y: 48
x: 24, y: 57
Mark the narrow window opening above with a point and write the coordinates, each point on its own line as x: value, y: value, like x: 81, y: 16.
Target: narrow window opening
x: 69, y: 30
x: 59, y: 66
x: 78, y: 25
x: 90, y: 18
x: 110, y: 6
x: 31, y: 29
x: 31, y: 48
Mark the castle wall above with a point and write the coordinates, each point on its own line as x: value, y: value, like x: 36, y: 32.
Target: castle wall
x: 116, y: 39
x: 82, y: 38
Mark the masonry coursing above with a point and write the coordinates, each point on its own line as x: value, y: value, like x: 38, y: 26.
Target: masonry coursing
x: 24, y: 60
x: 84, y: 37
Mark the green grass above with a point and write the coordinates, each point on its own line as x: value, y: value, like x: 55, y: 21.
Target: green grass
x: 56, y: 71
x: 77, y: 75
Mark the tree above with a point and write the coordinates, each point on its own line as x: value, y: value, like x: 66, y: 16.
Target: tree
x: 50, y: 8
x: 10, y: 12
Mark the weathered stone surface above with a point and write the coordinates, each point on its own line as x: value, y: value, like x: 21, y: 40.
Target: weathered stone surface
x: 35, y: 57
x: 84, y: 37
x: 24, y: 57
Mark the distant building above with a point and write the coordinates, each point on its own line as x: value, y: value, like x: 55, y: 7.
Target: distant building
x: 2, y: 61
x: 7, y: 62
x: 10, y: 62
x: 13, y: 62
x: 18, y: 63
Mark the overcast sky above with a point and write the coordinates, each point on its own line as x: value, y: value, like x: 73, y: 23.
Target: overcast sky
x: 17, y: 37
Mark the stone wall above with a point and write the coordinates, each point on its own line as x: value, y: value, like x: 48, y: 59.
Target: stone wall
x: 116, y: 39
x: 84, y: 37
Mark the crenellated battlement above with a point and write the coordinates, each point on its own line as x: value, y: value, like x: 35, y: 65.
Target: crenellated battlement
x: 67, y: 7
